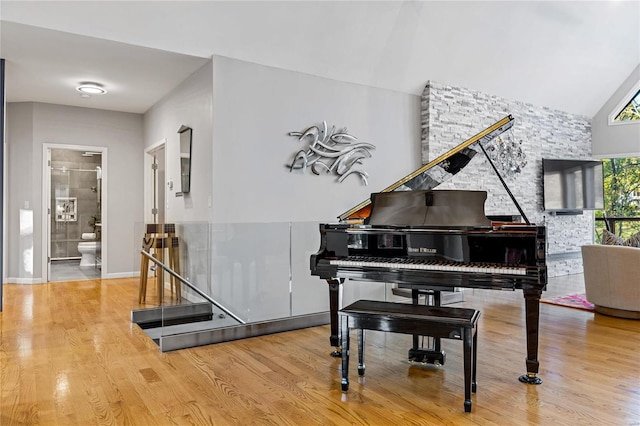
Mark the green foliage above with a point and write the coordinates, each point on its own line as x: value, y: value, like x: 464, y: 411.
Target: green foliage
x: 623, y: 229
x: 621, y: 194
x: 631, y: 111
x: 622, y: 186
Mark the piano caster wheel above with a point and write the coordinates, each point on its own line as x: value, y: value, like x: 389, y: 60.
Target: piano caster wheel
x: 530, y: 379
x: 361, y: 371
x: 337, y: 353
x: 345, y: 385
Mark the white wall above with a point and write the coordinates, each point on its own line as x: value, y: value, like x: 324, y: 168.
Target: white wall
x: 30, y: 125
x: 189, y: 104
x: 254, y: 109
x: 619, y: 140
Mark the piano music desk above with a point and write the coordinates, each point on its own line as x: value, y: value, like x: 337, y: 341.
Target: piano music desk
x: 405, y: 318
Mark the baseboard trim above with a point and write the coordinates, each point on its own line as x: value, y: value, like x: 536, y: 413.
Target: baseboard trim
x: 13, y: 280
x: 122, y: 275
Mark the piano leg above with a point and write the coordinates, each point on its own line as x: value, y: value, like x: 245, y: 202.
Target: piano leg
x: 334, y: 305
x: 532, y: 312
x: 433, y: 355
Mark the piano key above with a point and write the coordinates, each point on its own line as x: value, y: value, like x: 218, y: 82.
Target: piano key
x: 429, y: 266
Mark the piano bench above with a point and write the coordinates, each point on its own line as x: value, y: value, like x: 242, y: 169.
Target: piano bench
x: 405, y: 318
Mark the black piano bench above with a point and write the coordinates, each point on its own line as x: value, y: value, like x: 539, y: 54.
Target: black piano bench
x: 434, y: 321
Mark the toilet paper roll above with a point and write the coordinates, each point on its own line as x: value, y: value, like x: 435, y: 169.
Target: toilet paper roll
x: 88, y: 235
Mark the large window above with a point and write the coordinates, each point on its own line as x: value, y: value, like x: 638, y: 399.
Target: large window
x: 621, y: 195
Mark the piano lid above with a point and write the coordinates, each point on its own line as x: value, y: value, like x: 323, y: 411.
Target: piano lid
x: 437, y: 171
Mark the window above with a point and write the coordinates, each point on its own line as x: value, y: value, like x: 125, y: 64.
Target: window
x: 622, y: 196
x: 631, y: 111
x: 628, y: 110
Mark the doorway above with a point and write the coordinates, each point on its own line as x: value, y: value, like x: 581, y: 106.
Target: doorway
x: 155, y: 188
x: 74, y: 196
x: 155, y: 183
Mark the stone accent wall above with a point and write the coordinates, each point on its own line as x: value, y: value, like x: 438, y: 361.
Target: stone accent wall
x: 450, y: 115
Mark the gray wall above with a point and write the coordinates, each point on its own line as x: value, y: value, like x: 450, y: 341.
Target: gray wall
x: 244, y: 155
x: 254, y: 108
x: 189, y: 104
x: 454, y: 114
x: 619, y: 140
x: 29, y: 126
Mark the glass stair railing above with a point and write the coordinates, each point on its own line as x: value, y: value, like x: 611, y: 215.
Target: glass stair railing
x: 237, y: 280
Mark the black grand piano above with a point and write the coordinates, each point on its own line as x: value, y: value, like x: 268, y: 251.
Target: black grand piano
x: 428, y: 241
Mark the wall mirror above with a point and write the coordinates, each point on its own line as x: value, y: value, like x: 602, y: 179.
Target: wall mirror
x: 185, y: 159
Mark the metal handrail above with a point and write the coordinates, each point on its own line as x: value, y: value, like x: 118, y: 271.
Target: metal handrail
x: 192, y: 287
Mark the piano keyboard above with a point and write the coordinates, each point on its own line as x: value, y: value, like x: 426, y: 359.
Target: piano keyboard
x: 421, y: 265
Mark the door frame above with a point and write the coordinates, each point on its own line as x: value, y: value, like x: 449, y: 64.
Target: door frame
x: 46, y: 205
x: 148, y: 181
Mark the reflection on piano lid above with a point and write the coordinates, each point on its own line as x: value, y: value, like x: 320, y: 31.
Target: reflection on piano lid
x: 438, y: 208
x: 437, y: 171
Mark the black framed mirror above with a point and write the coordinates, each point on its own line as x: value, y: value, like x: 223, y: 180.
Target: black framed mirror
x: 185, y: 159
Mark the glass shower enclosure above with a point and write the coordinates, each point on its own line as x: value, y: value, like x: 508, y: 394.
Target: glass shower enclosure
x: 76, y: 197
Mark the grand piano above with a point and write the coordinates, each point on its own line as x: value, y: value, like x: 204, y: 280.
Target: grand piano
x: 427, y: 241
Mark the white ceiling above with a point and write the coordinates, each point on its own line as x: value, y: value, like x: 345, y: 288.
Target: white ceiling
x: 569, y: 56
x: 46, y: 66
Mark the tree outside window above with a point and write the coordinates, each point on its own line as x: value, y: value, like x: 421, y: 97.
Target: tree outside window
x: 621, y: 195
x: 631, y: 111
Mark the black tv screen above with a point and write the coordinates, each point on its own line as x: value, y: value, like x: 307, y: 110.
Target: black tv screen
x: 572, y: 185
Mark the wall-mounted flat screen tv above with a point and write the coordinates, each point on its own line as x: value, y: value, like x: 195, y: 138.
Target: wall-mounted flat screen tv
x: 571, y: 185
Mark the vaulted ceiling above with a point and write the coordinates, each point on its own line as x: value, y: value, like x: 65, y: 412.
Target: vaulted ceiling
x: 570, y: 56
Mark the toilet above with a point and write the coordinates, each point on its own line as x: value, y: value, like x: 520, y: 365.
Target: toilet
x: 88, y: 249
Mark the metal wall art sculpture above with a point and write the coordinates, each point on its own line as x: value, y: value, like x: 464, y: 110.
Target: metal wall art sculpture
x: 331, y: 152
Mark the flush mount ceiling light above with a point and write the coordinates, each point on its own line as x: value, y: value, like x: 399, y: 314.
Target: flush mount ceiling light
x: 89, y: 88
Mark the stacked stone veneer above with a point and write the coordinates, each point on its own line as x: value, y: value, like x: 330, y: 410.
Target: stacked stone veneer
x: 451, y: 115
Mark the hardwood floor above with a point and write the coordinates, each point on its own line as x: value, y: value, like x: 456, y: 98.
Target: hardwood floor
x: 69, y: 355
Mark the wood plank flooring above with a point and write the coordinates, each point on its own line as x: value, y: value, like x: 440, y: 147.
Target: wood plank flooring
x: 70, y: 356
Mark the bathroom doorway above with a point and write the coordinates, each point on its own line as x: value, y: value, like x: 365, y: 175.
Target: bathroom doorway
x: 75, y: 200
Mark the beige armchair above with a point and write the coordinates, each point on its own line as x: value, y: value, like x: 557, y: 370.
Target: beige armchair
x: 612, y: 279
